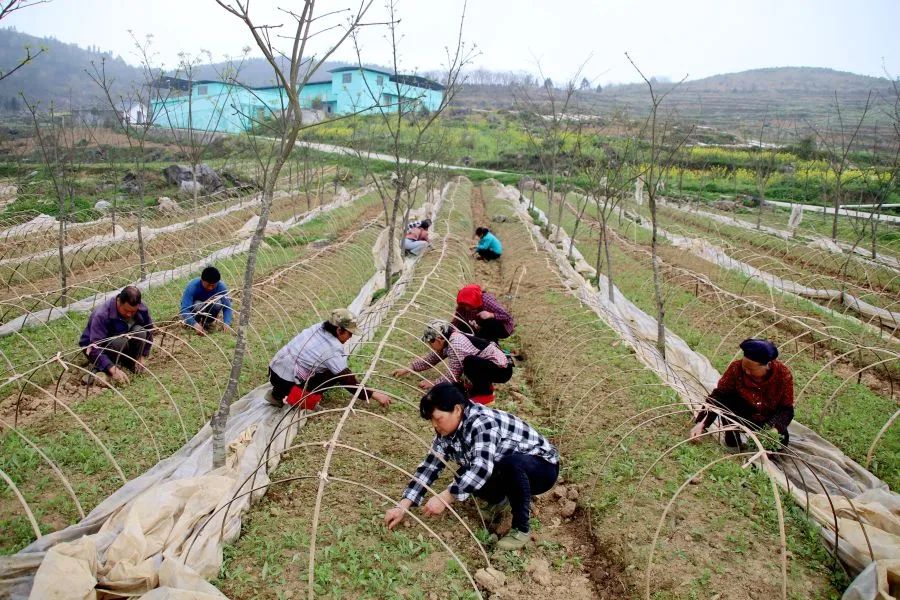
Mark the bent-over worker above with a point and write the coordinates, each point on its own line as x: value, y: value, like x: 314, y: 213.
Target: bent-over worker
x: 488, y: 246
x: 502, y: 460
x: 314, y: 361
x: 479, y: 312
x: 756, y: 391
x: 482, y: 362
x: 203, y: 299
x: 416, y: 238
x: 118, y: 335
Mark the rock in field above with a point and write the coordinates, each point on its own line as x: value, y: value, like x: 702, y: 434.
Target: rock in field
x: 568, y: 509
x: 539, y: 569
x: 490, y: 578
x: 167, y: 205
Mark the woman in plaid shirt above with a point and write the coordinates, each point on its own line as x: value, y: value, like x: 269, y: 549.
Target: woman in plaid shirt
x: 502, y: 460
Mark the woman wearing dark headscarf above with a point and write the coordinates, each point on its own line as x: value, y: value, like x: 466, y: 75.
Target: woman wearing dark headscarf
x: 756, y: 391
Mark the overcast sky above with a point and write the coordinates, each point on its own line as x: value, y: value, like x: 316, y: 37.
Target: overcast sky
x: 667, y: 38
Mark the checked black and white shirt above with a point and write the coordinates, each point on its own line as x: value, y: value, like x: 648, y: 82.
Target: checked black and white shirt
x: 484, y: 436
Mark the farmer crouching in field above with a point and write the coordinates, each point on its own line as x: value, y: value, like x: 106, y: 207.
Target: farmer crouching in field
x: 480, y: 313
x: 314, y: 361
x: 415, y: 241
x: 482, y: 362
x: 756, y: 391
x: 118, y: 336
x: 502, y: 460
x: 203, y: 299
x: 488, y: 246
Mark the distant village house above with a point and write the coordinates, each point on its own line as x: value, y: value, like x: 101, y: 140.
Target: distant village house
x: 221, y: 106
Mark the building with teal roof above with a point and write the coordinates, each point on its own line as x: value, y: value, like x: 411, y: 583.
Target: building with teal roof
x: 229, y: 107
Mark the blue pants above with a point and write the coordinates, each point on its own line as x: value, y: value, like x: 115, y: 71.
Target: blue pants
x: 517, y: 477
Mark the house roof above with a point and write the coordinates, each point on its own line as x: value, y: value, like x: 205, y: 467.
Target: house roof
x: 316, y: 79
x: 413, y: 80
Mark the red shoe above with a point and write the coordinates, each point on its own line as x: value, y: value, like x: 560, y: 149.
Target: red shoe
x: 483, y: 398
x: 307, y: 400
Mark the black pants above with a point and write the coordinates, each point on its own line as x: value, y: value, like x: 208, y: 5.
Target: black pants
x: 282, y: 387
x: 207, y: 311
x: 487, y: 254
x: 736, y: 405
x: 491, y: 329
x: 482, y: 373
x: 517, y: 477
x: 124, y: 350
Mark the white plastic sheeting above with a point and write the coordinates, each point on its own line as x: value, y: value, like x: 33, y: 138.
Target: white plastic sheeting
x: 163, y: 277
x: 822, y: 243
x: 120, y: 235
x: 160, y: 536
x: 865, y: 507
x: 716, y: 255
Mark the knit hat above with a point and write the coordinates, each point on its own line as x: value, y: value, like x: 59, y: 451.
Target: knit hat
x: 760, y: 351
x: 343, y: 318
x: 435, y: 330
x: 470, y: 296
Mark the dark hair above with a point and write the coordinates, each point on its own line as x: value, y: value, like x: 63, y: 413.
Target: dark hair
x: 443, y: 396
x: 425, y: 224
x: 130, y: 294
x: 480, y: 231
x: 330, y: 327
x: 211, y: 275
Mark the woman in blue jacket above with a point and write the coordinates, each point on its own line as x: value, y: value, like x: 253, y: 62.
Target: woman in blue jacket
x: 488, y: 247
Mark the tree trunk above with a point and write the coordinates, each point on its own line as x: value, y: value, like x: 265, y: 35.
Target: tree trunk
x: 62, y: 258
x: 392, y: 227
x: 657, y: 285
x: 219, y: 420
x: 834, y: 222
x: 113, y: 212
x: 142, y: 254
x: 196, y: 192
x: 609, y: 266
x: 759, y: 210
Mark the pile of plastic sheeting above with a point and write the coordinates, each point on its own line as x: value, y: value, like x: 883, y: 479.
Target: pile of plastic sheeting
x: 864, y: 525
x: 159, y: 278
x: 153, y: 520
x: 161, y: 535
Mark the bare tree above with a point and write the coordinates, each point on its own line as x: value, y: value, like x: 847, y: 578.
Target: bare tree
x: 56, y: 144
x: 414, y: 142
x: 609, y: 177
x: 292, y: 69
x: 659, y: 155
x: 144, y: 94
x: 838, y: 145
x: 765, y: 160
x: 7, y: 8
x: 548, y: 127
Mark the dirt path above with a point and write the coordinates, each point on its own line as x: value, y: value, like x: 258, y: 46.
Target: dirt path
x: 563, y: 563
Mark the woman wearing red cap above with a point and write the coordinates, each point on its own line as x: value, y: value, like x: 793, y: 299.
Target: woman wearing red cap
x: 479, y: 313
x: 756, y: 391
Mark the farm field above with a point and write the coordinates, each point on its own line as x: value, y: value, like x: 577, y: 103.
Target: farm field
x: 425, y: 328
